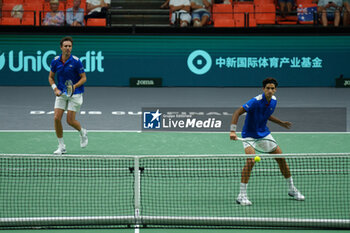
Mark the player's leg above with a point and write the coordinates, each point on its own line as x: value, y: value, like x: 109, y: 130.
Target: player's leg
x: 72, y: 121
x: 247, y: 169
x: 58, y: 113
x: 74, y: 105
x: 284, y: 168
x: 60, y: 106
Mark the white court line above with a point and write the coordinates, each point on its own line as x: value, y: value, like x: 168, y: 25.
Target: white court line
x: 146, y: 131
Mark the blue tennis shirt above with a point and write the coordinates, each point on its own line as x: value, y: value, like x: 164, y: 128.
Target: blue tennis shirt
x: 258, y: 112
x: 71, y: 69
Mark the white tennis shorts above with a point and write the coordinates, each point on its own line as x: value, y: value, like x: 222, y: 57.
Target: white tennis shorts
x: 69, y: 103
x: 265, y: 145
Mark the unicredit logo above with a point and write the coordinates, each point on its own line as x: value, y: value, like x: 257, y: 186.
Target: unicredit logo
x: 19, y: 61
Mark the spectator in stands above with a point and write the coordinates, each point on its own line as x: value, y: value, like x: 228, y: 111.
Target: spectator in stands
x: 75, y: 15
x: 180, y: 11
x: 97, y: 8
x: 54, y: 17
x: 346, y: 12
x: 330, y: 10
x: 165, y: 4
x: 286, y: 7
x: 200, y: 12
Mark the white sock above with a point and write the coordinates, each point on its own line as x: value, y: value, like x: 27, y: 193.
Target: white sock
x: 243, y: 190
x: 60, y: 142
x: 81, y: 131
x: 290, y: 183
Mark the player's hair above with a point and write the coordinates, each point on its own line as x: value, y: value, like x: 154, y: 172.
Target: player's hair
x: 268, y: 81
x: 66, y: 38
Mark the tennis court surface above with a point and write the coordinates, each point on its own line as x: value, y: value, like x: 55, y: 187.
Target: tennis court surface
x: 157, y: 179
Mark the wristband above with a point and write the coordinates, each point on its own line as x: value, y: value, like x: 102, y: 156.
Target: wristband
x: 53, y: 86
x: 233, y: 127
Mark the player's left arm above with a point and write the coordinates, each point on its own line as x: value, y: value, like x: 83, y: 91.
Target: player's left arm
x: 284, y: 124
x: 81, y: 81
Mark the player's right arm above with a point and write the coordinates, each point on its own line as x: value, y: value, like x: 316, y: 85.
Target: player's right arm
x: 52, y: 82
x: 235, y: 117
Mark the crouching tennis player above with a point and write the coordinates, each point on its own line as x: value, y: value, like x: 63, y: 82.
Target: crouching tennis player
x: 259, y: 110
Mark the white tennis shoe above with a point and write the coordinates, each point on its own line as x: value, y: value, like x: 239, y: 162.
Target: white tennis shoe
x: 83, y: 138
x: 296, y: 194
x: 243, y: 200
x: 60, y: 150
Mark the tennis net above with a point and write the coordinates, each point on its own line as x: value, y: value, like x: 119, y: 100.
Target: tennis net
x: 186, y: 190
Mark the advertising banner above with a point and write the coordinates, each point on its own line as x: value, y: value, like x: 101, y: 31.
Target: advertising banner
x: 204, y: 61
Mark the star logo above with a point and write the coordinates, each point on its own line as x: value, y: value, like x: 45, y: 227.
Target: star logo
x: 156, y: 115
x: 152, y: 120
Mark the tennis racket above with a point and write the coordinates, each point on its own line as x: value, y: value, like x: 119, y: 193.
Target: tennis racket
x: 262, y: 145
x: 69, y: 88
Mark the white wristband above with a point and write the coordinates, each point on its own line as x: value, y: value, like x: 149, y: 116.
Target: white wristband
x: 233, y: 127
x: 53, y: 86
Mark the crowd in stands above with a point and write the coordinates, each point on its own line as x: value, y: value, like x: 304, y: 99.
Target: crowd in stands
x: 54, y: 12
x: 232, y: 13
x: 196, y: 13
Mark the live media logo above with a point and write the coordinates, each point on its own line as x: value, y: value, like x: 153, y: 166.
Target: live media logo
x: 182, y: 119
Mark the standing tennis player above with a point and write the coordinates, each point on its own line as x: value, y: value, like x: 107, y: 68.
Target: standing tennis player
x: 259, y: 110
x: 67, y: 67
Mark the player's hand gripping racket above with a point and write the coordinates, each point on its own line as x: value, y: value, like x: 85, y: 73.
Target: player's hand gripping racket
x: 262, y: 145
x: 69, y: 88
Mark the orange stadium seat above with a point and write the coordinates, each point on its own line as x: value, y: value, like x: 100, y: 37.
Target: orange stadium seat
x: 7, y: 8
x: 10, y: 21
x: 259, y: 2
x: 34, y: 2
x: 30, y: 8
x: 96, y: 22
x: 298, y: 2
x: 239, y: 14
x: 15, y: 2
x: 28, y: 21
x: 223, y: 15
x: 265, y: 13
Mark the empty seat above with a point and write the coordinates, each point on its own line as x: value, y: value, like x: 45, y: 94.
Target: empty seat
x: 223, y: 15
x: 244, y: 15
x: 15, y: 2
x: 10, y: 21
x: 28, y: 21
x: 96, y: 22
x: 265, y: 13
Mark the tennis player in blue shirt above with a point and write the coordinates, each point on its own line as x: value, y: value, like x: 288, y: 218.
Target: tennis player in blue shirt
x: 259, y: 110
x: 67, y: 67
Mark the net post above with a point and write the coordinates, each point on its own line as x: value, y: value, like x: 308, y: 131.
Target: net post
x: 137, y: 192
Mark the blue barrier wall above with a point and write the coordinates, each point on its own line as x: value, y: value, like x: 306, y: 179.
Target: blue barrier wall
x: 111, y: 60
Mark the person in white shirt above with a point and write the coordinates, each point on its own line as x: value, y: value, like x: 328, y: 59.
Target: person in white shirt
x: 97, y: 8
x: 180, y: 10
